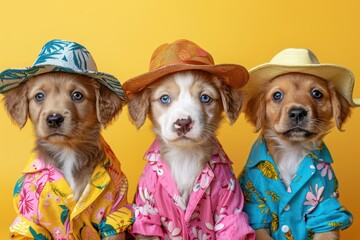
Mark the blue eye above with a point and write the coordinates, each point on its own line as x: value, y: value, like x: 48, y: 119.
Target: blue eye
x: 165, y: 99
x: 40, y: 96
x: 77, y: 96
x: 278, y: 96
x: 317, y: 94
x: 204, y: 98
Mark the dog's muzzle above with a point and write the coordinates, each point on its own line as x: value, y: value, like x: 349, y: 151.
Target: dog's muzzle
x: 183, y: 125
x: 54, y: 120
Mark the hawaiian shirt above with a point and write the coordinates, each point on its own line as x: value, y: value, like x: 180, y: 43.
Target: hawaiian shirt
x: 309, y: 205
x: 214, y: 210
x: 47, y: 210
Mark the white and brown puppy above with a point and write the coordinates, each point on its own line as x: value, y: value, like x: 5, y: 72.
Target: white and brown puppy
x: 67, y: 112
x: 294, y: 112
x: 185, y: 198
x: 185, y: 109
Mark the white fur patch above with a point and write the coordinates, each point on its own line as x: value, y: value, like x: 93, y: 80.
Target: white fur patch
x: 68, y: 158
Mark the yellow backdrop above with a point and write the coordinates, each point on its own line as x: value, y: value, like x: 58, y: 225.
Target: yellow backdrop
x: 122, y: 36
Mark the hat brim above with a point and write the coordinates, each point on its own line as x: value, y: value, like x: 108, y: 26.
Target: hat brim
x: 231, y: 74
x: 13, y: 77
x: 342, y: 78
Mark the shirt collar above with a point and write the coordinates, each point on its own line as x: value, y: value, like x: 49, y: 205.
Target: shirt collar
x: 37, y: 164
x: 259, y: 152
x: 218, y: 156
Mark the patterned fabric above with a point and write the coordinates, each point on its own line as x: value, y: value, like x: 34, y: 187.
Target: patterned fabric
x: 310, y: 204
x: 183, y: 55
x: 46, y: 208
x: 215, y: 205
x: 60, y: 56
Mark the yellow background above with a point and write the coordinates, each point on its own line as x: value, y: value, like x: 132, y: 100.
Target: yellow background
x: 122, y: 36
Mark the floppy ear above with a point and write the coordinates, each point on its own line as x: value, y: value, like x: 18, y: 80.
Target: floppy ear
x: 232, y: 100
x: 340, y: 107
x: 255, y: 111
x: 139, y: 105
x: 108, y: 104
x: 16, y: 104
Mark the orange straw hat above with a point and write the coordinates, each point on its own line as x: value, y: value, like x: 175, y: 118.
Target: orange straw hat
x: 184, y: 55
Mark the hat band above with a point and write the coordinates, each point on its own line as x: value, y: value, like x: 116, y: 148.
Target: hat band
x: 183, y: 62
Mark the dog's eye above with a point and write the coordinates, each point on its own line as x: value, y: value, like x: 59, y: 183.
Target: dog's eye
x: 277, y: 96
x: 165, y: 99
x: 316, y: 94
x: 205, y: 98
x: 77, y: 96
x: 40, y: 97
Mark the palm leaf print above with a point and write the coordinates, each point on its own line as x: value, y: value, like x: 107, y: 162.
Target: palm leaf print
x: 274, y: 197
x: 50, y: 51
x: 57, y: 191
x: 289, y: 235
x: 18, y: 185
x: 313, y: 156
x: 263, y: 206
x: 97, y: 180
x: 267, y: 170
x: 274, y: 222
x: 80, y: 56
x: 336, y: 225
x: 247, y: 197
x: 64, y: 213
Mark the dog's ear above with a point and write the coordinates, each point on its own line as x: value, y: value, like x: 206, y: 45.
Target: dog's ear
x: 340, y: 107
x: 108, y: 104
x: 17, y: 105
x: 255, y: 111
x: 232, y: 100
x: 139, y: 106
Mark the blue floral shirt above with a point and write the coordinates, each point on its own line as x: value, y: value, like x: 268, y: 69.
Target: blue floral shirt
x: 309, y: 205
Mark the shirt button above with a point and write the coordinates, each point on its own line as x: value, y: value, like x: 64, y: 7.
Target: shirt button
x: 285, y: 228
x: 287, y: 207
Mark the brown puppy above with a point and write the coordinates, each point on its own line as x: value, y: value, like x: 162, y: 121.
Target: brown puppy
x: 294, y: 111
x: 67, y: 111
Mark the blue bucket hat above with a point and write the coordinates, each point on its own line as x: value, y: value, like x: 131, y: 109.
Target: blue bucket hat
x: 60, y: 56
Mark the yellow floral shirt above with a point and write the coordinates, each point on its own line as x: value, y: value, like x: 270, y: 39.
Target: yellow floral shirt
x: 46, y: 209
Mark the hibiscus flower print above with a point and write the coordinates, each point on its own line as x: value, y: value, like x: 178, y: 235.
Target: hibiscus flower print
x: 174, y: 231
x: 199, y: 235
x: 58, y: 233
x: 100, y: 214
x: 314, y: 197
x: 26, y: 202
x: 325, y: 170
x: 205, y: 179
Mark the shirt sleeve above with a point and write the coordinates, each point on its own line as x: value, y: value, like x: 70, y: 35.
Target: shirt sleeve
x: 23, y: 228
x: 147, y: 217
x: 121, y: 216
x: 254, y: 204
x: 329, y: 214
x: 230, y: 220
x: 118, y: 221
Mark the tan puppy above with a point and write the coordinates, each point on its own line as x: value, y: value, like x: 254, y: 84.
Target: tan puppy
x: 294, y: 112
x: 67, y: 111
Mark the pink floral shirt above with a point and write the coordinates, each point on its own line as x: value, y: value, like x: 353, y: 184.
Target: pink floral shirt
x: 215, y: 205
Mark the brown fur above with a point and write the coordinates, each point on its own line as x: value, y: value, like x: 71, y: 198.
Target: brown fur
x: 281, y: 136
x: 80, y: 131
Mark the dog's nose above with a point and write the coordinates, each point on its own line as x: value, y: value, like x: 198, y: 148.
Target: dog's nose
x: 54, y: 120
x: 183, y: 125
x: 297, y: 115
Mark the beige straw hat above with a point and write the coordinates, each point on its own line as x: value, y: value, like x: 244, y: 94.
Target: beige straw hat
x: 302, y: 60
